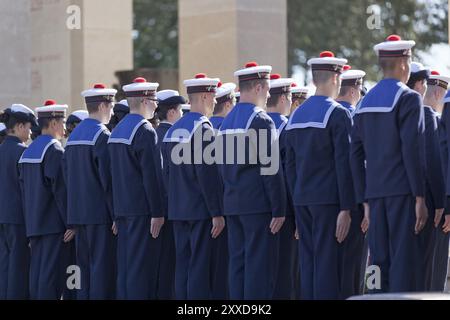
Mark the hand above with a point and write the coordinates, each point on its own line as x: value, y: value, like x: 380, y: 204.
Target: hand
x: 366, y: 220
x: 446, y: 226
x: 438, y: 216
x: 276, y: 224
x: 218, y: 225
x: 155, y: 226
x: 343, y: 225
x: 296, y: 235
x: 68, y: 235
x: 421, y: 214
x: 114, y: 228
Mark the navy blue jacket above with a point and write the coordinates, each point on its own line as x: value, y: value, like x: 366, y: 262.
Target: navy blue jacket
x: 444, y: 134
x: 387, y: 150
x: 194, y: 187
x: 280, y: 122
x: 135, y: 168
x: 317, y: 154
x: 10, y: 196
x: 88, y: 175
x: 216, y: 122
x: 43, y: 188
x: 161, y: 132
x: 254, y: 185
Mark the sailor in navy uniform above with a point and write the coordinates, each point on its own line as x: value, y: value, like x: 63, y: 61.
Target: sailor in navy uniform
x: 278, y: 107
x: 120, y: 110
x: 44, y: 197
x: 226, y: 100
x: 353, y: 252
x: 434, y: 103
x: 387, y: 158
x: 254, y: 188
x: 168, y: 112
x: 2, y: 132
x: 194, y: 191
x: 14, y: 250
x: 299, y: 95
x: 89, y: 196
x: 319, y: 177
x: 136, y: 173
x: 74, y: 119
x: 418, y: 77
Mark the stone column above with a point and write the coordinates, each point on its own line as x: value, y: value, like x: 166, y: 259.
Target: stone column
x: 218, y: 37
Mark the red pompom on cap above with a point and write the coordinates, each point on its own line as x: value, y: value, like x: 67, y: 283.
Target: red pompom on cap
x: 346, y: 67
x: 219, y: 84
x: 99, y: 86
x: 251, y: 64
x: 200, y: 76
x: 435, y: 73
x: 275, y: 76
x: 49, y: 102
x: 293, y: 85
x: 327, y: 54
x: 393, y: 37
x: 139, y: 80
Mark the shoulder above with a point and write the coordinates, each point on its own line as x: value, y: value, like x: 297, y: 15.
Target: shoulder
x: 262, y: 120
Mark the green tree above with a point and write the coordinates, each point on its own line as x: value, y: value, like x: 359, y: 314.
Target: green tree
x: 342, y: 26
x: 156, y: 33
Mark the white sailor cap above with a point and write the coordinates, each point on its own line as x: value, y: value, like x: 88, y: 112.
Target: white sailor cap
x: 352, y: 77
x: 436, y: 79
x: 201, y: 83
x: 299, y: 92
x: 327, y: 62
x: 2, y: 127
x: 170, y: 97
x: 22, y: 113
x: 77, y: 116
x: 279, y: 85
x: 99, y: 93
x: 394, y: 47
x: 253, y: 71
x: 141, y: 88
x: 225, y: 92
x: 121, y: 106
x: 52, y: 110
x: 185, y: 108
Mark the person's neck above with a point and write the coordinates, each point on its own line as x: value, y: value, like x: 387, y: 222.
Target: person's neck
x: 199, y: 109
x: 247, y: 97
x: 430, y: 102
x: 345, y: 99
x: 97, y: 116
x: 275, y: 109
x: 393, y: 75
x: 220, y: 115
x: 143, y: 114
x: 47, y: 132
x: 326, y: 91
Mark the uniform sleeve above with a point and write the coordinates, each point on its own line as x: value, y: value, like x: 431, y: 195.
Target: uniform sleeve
x: 411, y: 123
x: 272, y: 170
x: 150, y: 163
x: 53, y: 171
x: 357, y: 161
x: 165, y: 175
x: 103, y: 162
x: 289, y: 170
x: 340, y: 122
x: 433, y: 161
x: 444, y: 135
x: 208, y: 175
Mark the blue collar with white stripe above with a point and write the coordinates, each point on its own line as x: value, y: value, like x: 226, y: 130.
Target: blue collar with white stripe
x: 383, y: 97
x: 183, y: 130
x: 125, y: 131
x: 216, y: 122
x: 279, y: 120
x: 86, y: 133
x: 239, y: 119
x: 35, y: 153
x: 347, y: 106
x: 313, y: 113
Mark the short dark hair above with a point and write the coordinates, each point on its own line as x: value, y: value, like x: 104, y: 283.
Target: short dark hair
x: 250, y: 84
x: 10, y: 121
x: 44, y: 123
x: 346, y: 89
x: 93, y: 107
x: 387, y: 63
x: 273, y: 100
x: 163, y: 110
x: 322, y: 76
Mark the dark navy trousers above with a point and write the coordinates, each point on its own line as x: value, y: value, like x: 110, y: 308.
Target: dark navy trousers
x: 14, y: 262
x: 137, y: 259
x: 392, y: 242
x: 166, y: 269
x: 96, y: 257
x: 318, y: 252
x: 440, y: 259
x: 193, y: 244
x: 50, y: 257
x: 219, y: 267
x: 286, y: 268
x: 253, y: 255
